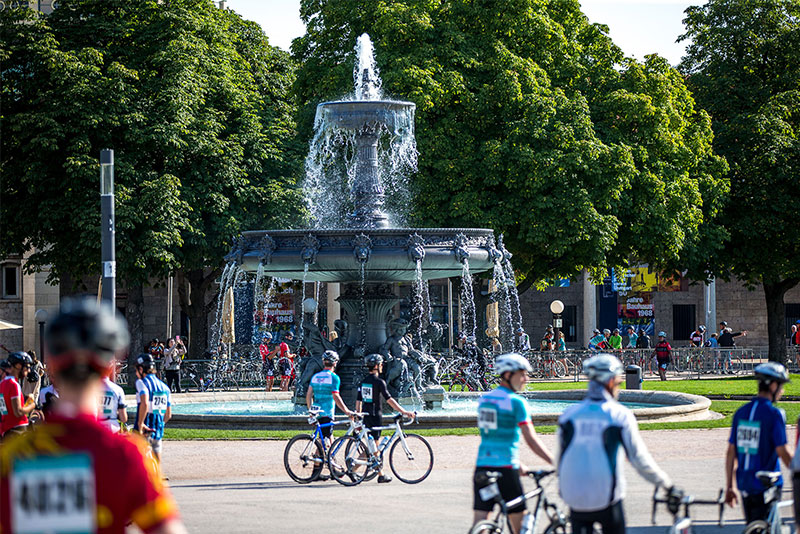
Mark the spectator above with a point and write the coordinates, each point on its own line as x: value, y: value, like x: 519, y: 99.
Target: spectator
x: 562, y: 344
x: 33, y: 382
x: 727, y: 336
x: 643, y: 340
x: 712, y: 341
x: 156, y: 350
x: 546, y: 343
x: 332, y: 336
x: 663, y: 353
x: 632, y: 338
x: 697, y: 336
x: 173, y: 356
x: 615, y: 340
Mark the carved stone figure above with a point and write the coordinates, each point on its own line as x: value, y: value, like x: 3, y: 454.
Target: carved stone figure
x: 422, y: 368
x: 340, y: 343
x: 315, y: 343
x: 396, y: 369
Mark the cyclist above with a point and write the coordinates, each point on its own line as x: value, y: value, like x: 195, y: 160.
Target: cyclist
x: 632, y: 337
x: 757, y: 441
x: 368, y: 400
x: 598, y: 340
x: 15, y: 408
x: 523, y: 340
x: 323, y: 390
x: 615, y: 340
x: 662, y: 354
x: 697, y: 337
x: 100, y: 480
x: 503, y: 419
x: 267, y: 364
x: 112, y: 413
x: 153, y: 408
x: 594, y: 436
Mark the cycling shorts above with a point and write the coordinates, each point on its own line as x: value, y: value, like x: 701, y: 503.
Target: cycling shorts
x: 327, y: 431
x: 611, y: 519
x: 754, y: 506
x: 371, y: 421
x: 510, y: 488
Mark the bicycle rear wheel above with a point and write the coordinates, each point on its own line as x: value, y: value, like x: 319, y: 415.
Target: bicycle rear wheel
x: 303, y: 458
x: 486, y: 527
x: 758, y: 526
x: 413, y: 462
x: 348, y: 460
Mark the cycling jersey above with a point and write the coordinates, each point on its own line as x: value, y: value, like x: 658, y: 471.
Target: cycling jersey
x: 9, y: 389
x: 263, y: 349
x: 112, y: 400
x: 615, y: 341
x: 158, y: 399
x: 501, y: 412
x: 325, y: 384
x: 696, y: 338
x: 92, y: 480
x: 524, y: 342
x: 596, y: 340
x: 370, y: 392
x: 632, y: 340
x: 45, y: 393
x: 758, y: 429
x: 663, y: 351
x: 594, y: 437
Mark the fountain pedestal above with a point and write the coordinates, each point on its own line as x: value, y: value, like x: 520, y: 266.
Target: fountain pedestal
x: 433, y: 397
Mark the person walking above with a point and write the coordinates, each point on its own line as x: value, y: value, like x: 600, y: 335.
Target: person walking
x: 662, y: 354
x: 594, y: 437
x: 154, y: 408
x: 173, y: 358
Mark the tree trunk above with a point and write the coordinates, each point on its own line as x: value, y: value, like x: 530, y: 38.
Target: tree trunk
x: 776, y: 317
x: 197, y: 300
x: 134, y: 313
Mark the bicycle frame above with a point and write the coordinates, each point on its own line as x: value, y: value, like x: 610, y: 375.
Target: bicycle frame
x: 535, y: 514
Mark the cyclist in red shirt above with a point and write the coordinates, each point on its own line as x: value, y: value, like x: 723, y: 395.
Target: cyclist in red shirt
x: 14, y: 408
x: 72, y: 474
x: 662, y: 353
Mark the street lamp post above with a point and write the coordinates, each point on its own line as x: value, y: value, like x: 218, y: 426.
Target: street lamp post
x: 557, y: 308
x: 107, y: 231
x: 41, y: 318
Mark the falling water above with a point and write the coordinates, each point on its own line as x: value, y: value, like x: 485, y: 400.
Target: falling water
x: 362, y: 311
x: 507, y: 338
x: 366, y: 76
x: 316, y: 299
x: 302, y: 302
x: 418, y: 313
x: 468, y: 318
x: 225, y: 281
x: 511, y: 284
x: 265, y: 297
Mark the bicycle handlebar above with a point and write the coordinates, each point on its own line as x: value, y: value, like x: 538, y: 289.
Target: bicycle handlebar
x: 675, y: 499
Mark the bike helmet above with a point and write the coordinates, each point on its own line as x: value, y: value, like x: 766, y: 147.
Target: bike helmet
x: 662, y: 334
x: 606, y: 331
x: 602, y: 368
x: 511, y: 362
x: 5, y: 365
x: 616, y: 330
x: 330, y: 356
x: 373, y: 360
x: 771, y: 372
x: 85, y: 333
x: 723, y: 323
x: 145, y: 361
x: 520, y: 330
x: 701, y: 328
x: 595, y: 331
x: 20, y: 357
x: 267, y: 337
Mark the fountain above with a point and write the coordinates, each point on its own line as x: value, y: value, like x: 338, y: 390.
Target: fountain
x: 366, y: 143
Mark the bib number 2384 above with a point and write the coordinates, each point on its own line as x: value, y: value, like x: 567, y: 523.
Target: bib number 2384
x: 748, y: 434
x: 53, y: 494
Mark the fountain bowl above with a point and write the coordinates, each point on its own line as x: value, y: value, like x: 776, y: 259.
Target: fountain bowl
x: 356, y: 114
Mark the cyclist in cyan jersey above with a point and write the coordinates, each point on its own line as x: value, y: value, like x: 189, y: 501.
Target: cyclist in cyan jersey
x: 93, y: 480
x: 323, y: 391
x: 757, y: 441
x: 112, y: 413
x: 503, y: 419
x: 154, y: 407
x: 594, y: 437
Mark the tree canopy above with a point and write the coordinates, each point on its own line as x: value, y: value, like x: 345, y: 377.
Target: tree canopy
x: 742, y: 66
x: 196, y: 105
x: 532, y: 122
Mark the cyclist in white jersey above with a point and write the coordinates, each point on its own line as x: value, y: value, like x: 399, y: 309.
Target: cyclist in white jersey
x: 594, y: 436
x: 111, y: 412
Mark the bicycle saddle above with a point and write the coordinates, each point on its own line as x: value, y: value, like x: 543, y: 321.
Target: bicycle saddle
x: 768, y: 478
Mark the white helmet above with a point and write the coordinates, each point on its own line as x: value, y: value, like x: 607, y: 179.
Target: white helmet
x: 511, y: 362
x: 602, y: 368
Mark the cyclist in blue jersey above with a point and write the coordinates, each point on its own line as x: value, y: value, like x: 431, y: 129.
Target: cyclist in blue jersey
x: 323, y: 391
x: 153, y: 408
x: 594, y: 436
x: 503, y: 418
x: 757, y: 442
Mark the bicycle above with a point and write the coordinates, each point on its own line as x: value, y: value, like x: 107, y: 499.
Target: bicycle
x: 558, y: 519
x: 774, y: 522
x: 306, y: 454
x: 674, y: 500
x: 410, y: 455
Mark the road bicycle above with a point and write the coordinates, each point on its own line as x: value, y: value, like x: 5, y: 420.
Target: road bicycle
x: 675, y: 500
x: 490, y: 490
x: 774, y: 522
x: 354, y: 458
x: 306, y: 454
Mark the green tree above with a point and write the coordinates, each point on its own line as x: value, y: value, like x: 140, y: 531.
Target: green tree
x: 195, y: 103
x: 531, y: 121
x: 743, y: 68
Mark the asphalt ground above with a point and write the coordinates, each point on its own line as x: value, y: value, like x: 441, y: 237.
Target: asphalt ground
x: 241, y: 486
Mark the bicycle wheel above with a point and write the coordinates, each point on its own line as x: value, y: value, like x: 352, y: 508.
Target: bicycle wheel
x: 559, y: 369
x: 413, y: 462
x: 556, y: 528
x: 758, y: 526
x: 486, y: 527
x: 303, y: 458
x: 348, y: 460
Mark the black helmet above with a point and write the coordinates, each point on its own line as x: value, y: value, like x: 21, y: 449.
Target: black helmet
x: 373, y: 360
x: 20, y: 357
x: 4, y: 364
x: 330, y: 356
x: 87, y: 327
x: 145, y: 361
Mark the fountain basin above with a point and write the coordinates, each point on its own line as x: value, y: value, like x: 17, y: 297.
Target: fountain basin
x: 332, y: 254
x: 396, y: 115
x: 648, y: 406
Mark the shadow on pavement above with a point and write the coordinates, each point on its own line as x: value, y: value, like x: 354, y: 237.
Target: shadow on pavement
x: 251, y: 485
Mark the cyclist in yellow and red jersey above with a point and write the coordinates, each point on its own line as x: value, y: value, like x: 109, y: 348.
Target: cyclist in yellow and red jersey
x: 92, y: 479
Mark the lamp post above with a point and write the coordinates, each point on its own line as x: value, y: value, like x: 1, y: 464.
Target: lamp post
x: 107, y: 238
x: 41, y: 318
x: 557, y: 308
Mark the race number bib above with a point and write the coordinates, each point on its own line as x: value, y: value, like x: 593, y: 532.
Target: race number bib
x: 107, y: 405
x: 159, y: 403
x: 3, y: 407
x: 748, y: 434
x: 54, y: 494
x: 487, y: 418
x: 366, y: 392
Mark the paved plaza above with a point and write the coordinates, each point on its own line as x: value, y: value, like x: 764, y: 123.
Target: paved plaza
x: 241, y: 486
